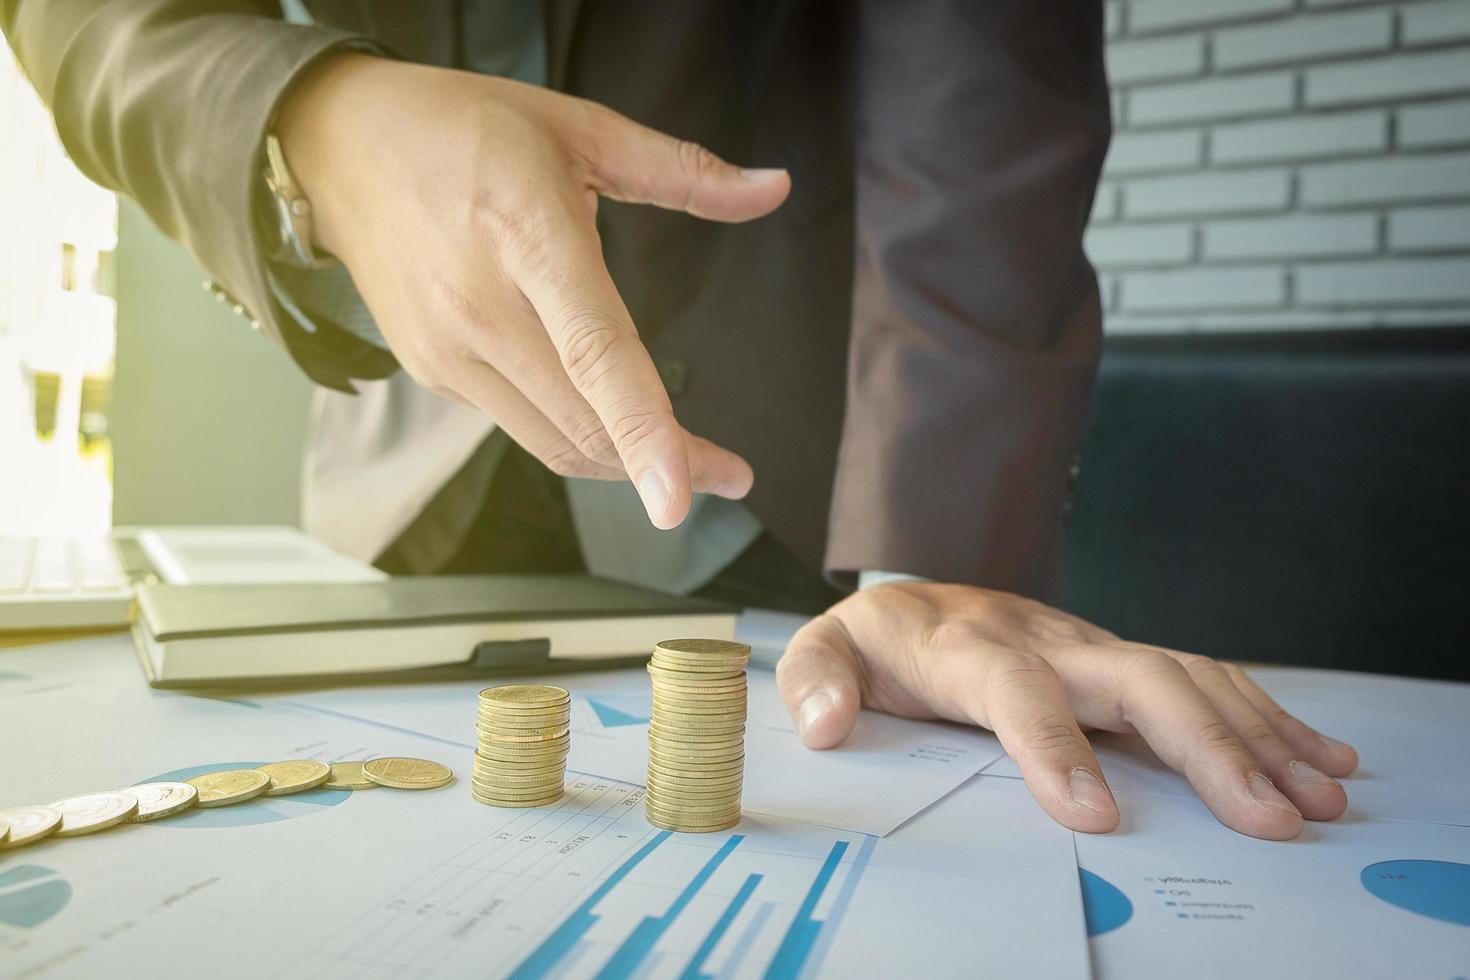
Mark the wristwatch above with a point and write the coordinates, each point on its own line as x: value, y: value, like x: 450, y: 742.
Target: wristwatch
x: 291, y: 241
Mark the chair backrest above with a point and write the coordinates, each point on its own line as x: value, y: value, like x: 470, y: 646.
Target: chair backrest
x: 1294, y: 498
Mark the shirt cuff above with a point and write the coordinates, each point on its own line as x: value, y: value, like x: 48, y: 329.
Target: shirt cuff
x: 872, y: 577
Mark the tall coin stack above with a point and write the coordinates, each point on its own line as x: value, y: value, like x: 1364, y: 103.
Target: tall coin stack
x: 523, y: 736
x: 696, y: 736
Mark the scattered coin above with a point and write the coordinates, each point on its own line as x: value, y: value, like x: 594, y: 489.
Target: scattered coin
x: 295, y: 775
x: 229, y: 786
x: 29, y: 823
x: 93, y: 811
x: 399, y: 772
x: 159, y: 800
x: 347, y: 775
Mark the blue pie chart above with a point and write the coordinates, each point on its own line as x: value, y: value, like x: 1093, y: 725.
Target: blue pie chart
x: 30, y: 894
x: 262, y: 809
x: 1437, y: 889
x: 1103, y: 906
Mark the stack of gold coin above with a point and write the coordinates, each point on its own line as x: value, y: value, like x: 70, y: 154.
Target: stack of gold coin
x: 696, y: 736
x: 523, y: 737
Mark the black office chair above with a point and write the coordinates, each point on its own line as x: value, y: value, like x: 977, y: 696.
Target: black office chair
x: 1296, y: 498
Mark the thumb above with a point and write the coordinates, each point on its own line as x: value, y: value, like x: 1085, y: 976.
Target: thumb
x: 821, y: 682
x: 633, y: 163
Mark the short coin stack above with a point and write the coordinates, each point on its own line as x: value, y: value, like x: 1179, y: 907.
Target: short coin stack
x: 522, y: 758
x: 696, y: 736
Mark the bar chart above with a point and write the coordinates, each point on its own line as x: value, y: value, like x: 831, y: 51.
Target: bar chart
x: 589, y: 889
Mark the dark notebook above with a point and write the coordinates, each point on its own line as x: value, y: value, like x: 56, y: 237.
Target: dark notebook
x: 194, y: 634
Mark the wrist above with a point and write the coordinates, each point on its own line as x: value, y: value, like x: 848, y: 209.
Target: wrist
x: 312, y: 124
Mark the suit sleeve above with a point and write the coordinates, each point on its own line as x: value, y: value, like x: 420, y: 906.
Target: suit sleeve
x: 167, y: 102
x: 980, y: 134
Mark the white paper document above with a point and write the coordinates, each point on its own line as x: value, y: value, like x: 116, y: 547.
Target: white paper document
x: 1174, y: 893
x: 387, y: 883
x: 1412, y: 737
x: 888, y: 771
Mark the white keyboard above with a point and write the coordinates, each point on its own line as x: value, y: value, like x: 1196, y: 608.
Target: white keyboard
x: 55, y: 583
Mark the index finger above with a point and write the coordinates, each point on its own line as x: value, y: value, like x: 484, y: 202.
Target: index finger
x: 563, y: 276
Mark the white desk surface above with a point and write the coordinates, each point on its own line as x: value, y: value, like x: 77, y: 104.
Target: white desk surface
x: 981, y: 883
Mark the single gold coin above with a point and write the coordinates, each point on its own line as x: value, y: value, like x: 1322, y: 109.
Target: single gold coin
x: 723, y: 777
x: 681, y: 827
x: 505, y: 735
x: 662, y: 677
x: 731, y: 768
x: 700, y: 649
x: 91, y: 812
x: 525, y: 695
x: 698, y: 754
x: 295, y: 775
x: 712, y: 797
x: 487, y: 733
x: 516, y: 804
x: 511, y: 778
x: 664, y: 696
x: 517, y: 726
x: 540, y: 772
x: 404, y: 773
x: 161, y: 799
x: 706, y: 815
x: 28, y: 824
x: 529, y: 791
x: 691, y: 813
x: 560, y: 742
x: 229, y: 786
x: 697, y: 720
x: 347, y: 775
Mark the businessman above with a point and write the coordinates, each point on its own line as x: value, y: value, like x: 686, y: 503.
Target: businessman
x: 855, y: 359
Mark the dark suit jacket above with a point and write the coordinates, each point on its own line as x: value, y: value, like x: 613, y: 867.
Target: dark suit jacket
x: 904, y: 351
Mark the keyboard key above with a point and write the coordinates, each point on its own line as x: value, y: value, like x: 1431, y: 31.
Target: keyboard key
x: 15, y: 563
x: 55, y: 570
x: 100, y: 569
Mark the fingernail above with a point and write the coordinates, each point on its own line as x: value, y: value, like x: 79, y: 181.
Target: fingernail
x: 811, y: 711
x: 655, y: 494
x: 762, y: 175
x: 1089, y: 791
x: 1305, y: 775
x: 1265, y: 793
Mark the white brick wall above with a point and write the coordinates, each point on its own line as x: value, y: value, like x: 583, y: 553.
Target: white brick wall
x: 1286, y: 164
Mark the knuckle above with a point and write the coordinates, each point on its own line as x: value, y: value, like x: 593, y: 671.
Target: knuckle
x: 1049, y: 734
x: 1204, y: 670
x: 518, y: 228
x: 1216, y: 736
x: 592, y: 341
x: 590, y: 438
x: 1021, y: 672
x: 565, y: 461
x: 1151, y: 665
x: 948, y: 633
x: 1257, y: 733
x: 634, y: 429
x: 694, y: 160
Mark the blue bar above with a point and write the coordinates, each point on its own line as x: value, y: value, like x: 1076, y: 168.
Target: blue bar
x: 718, y: 930
x: 839, y: 908
x: 642, y: 939
x: 787, y: 962
x: 560, y: 942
